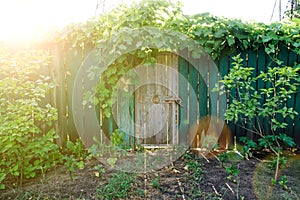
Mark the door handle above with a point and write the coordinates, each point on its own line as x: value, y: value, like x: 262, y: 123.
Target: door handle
x: 176, y: 100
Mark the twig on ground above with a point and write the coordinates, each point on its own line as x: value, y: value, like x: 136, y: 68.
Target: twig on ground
x: 213, y: 187
x: 181, y: 189
x: 229, y: 188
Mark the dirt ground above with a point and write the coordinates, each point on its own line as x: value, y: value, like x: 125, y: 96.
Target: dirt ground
x: 189, y: 177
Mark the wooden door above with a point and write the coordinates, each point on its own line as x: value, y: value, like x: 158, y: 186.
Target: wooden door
x: 157, y: 103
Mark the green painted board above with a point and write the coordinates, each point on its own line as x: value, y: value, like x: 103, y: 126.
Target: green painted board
x: 183, y: 122
x: 193, y: 103
x: 203, y: 89
x: 213, y: 80
x: 232, y: 95
x: 269, y: 64
x: 297, y: 118
x: 252, y: 62
x: 239, y: 130
x: 194, y: 85
x: 292, y: 59
x: 283, y: 56
x: 261, y: 67
x: 223, y: 68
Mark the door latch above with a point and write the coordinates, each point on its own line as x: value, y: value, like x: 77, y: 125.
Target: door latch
x: 176, y: 100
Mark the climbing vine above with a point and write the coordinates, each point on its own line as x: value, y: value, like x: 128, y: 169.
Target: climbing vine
x: 117, y: 31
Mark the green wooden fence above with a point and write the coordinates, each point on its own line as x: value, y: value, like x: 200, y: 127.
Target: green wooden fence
x: 67, y: 61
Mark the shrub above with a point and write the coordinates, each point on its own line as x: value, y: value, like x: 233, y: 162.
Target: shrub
x: 248, y: 106
x: 26, y: 120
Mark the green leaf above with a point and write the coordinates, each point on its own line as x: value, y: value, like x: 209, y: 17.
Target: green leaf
x: 230, y: 40
x: 112, y: 161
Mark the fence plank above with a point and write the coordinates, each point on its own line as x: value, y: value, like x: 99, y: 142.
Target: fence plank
x: 183, y: 94
x: 239, y: 130
x: 297, y: 118
x: 261, y: 61
x: 203, y: 88
x: 292, y: 59
x: 266, y: 62
x: 74, y: 61
x: 194, y: 82
x: 223, y: 63
x: 283, y: 56
x: 231, y: 96
x: 61, y: 100
x: 252, y: 62
x: 213, y: 79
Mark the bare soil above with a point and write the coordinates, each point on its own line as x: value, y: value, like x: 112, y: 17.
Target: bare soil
x: 177, y: 181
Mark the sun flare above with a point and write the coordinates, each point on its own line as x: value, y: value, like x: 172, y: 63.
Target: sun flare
x: 29, y: 20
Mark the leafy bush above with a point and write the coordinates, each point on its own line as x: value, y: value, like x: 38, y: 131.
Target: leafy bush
x: 248, y: 107
x: 26, y: 133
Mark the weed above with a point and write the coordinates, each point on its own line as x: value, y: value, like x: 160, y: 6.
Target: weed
x: 75, y: 156
x: 194, y: 168
x: 232, y: 172
x: 283, y: 181
x: 71, y: 164
x: 223, y: 157
x: 155, y: 182
x: 117, y: 187
x: 282, y: 162
x: 140, y: 192
x: 248, y: 147
x: 99, y: 170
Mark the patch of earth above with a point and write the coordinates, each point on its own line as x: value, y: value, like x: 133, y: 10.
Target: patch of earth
x: 208, y: 180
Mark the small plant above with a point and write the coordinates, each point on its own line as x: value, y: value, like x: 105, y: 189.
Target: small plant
x: 140, y: 192
x: 109, y: 154
x: 248, y: 105
x: 139, y: 148
x: 155, y: 182
x: 77, y: 149
x: 71, y: 164
x: 282, y: 162
x: 187, y: 156
x: 232, y: 172
x: 283, y: 181
x: 117, y: 187
x: 99, y: 170
x: 248, y: 147
x: 223, y: 157
x: 194, y: 167
x: 117, y: 138
x: 74, y: 156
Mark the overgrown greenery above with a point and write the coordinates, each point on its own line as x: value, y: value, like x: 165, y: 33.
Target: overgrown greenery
x: 117, y: 31
x: 27, y: 135
x: 248, y: 108
x: 26, y: 121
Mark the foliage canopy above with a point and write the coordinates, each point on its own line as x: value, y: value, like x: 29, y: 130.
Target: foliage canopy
x: 217, y: 35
